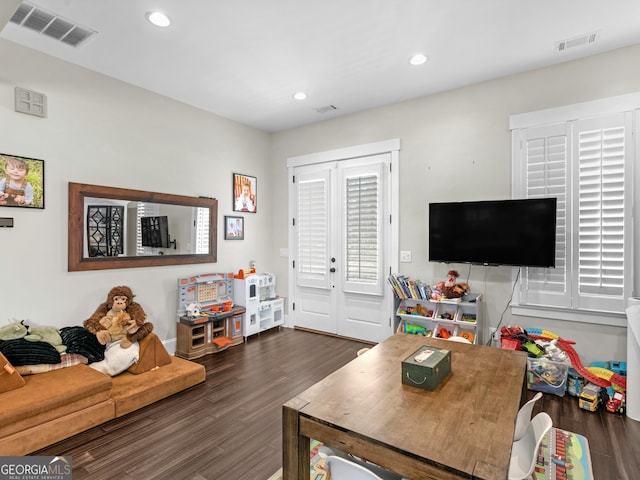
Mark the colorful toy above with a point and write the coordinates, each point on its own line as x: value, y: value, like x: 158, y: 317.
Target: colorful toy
x: 451, y: 289
x: 415, y: 329
x: 444, y: 333
x: 575, y: 383
x: 616, y: 402
x: 467, y: 335
x: 588, y: 399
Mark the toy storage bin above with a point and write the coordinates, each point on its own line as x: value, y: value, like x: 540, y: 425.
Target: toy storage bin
x: 450, y: 328
x: 446, y: 311
x: 544, y: 375
x: 467, y: 314
x: 468, y: 333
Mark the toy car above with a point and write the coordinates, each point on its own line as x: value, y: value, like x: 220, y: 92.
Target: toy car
x: 616, y: 403
x: 588, y: 399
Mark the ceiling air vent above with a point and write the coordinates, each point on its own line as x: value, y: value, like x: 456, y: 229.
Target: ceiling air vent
x: 41, y: 21
x: 587, y: 39
x: 328, y: 108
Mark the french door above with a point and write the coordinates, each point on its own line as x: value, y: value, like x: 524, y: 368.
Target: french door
x: 341, y: 246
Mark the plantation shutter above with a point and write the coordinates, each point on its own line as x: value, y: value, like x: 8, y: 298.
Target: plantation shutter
x: 586, y: 164
x: 545, y: 154
x: 362, y: 229
x: 312, y: 222
x: 600, y: 224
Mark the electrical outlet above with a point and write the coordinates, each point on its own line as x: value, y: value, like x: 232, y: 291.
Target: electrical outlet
x: 495, y: 335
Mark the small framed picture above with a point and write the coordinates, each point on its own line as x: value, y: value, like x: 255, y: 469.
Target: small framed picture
x: 233, y: 228
x: 245, y: 193
x: 21, y: 182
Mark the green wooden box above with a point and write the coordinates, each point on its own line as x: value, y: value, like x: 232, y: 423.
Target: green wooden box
x: 427, y: 367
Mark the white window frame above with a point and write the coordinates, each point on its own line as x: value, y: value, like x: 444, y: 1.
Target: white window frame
x: 569, y: 116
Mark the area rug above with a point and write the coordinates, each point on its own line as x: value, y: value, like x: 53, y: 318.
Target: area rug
x: 317, y: 464
x: 564, y: 455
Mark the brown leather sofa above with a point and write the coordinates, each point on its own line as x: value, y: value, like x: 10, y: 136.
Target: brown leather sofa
x: 55, y: 405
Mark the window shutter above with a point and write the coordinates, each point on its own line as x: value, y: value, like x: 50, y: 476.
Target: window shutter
x: 586, y: 164
x: 144, y: 210
x: 601, y: 149
x: 362, y: 229
x: 545, y: 154
x: 313, y: 236
x: 202, y: 230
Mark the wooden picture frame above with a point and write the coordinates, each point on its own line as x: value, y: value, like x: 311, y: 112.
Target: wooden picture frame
x: 21, y: 182
x: 245, y: 193
x: 233, y: 228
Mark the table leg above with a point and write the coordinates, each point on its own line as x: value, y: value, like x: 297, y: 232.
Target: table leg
x: 296, y: 464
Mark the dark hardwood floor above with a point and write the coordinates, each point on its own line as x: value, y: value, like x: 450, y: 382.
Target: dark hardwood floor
x: 229, y: 428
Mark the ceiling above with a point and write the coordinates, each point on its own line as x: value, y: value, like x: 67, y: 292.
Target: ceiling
x: 244, y: 59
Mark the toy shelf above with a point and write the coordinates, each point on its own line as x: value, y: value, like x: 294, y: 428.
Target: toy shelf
x: 427, y: 317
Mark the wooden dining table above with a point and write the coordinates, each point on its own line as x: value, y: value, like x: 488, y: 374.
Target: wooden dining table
x: 462, y: 429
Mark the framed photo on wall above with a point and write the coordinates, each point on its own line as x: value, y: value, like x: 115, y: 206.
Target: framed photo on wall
x: 233, y: 228
x: 245, y: 193
x: 21, y: 182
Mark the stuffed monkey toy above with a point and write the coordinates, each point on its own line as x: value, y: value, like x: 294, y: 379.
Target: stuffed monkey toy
x: 119, y: 318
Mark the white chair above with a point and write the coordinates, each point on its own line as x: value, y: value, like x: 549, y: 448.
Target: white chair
x: 524, y: 417
x: 379, y: 472
x: 342, y: 469
x: 524, y: 452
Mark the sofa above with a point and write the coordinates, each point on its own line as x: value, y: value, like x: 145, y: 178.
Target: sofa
x: 44, y: 408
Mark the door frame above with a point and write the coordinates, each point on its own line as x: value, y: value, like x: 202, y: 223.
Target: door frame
x: 392, y: 147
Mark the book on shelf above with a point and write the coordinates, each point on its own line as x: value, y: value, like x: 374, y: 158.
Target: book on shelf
x: 405, y: 287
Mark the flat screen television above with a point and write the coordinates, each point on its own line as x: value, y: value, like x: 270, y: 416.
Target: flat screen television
x: 155, y: 231
x: 498, y: 232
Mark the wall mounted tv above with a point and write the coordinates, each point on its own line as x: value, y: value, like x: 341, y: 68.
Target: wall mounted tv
x: 155, y: 232
x: 500, y: 232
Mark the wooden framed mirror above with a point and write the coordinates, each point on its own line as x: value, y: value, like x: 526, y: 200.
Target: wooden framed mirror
x: 112, y: 227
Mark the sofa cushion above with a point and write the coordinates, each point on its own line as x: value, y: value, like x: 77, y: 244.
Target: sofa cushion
x: 152, y: 355
x: 10, y: 379
x: 131, y: 392
x: 52, y: 395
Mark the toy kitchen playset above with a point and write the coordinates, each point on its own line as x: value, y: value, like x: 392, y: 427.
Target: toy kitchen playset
x: 257, y: 293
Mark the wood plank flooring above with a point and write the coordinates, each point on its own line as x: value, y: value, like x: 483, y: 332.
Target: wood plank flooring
x: 229, y: 428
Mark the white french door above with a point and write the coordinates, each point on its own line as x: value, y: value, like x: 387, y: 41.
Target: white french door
x: 341, y: 246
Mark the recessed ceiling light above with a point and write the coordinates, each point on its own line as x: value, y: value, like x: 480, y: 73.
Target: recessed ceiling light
x: 159, y: 19
x: 300, y: 96
x: 418, y: 59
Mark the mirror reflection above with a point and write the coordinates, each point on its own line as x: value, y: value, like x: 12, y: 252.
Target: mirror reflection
x: 117, y: 228
x: 111, y: 227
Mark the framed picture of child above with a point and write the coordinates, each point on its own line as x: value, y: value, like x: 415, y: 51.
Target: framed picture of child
x: 21, y: 182
x: 245, y: 193
x: 233, y: 228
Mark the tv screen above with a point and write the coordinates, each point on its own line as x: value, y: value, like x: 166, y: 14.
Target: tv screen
x: 155, y: 232
x: 500, y: 232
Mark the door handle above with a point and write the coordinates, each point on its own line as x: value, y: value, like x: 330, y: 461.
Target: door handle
x: 332, y: 270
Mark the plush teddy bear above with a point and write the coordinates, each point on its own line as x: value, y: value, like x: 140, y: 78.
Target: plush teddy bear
x: 119, y: 318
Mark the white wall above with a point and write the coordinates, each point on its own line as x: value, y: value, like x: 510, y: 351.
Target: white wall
x: 102, y: 131
x: 457, y: 146
x: 454, y: 146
